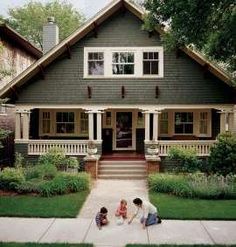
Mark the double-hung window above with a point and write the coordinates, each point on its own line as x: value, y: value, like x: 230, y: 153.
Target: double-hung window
x: 150, y: 63
x: 123, y: 63
x: 46, y: 122
x: 118, y: 62
x: 65, y: 122
x: 83, y: 123
x: 184, y: 123
x: 164, y: 123
x: 95, y: 63
x: 203, y: 130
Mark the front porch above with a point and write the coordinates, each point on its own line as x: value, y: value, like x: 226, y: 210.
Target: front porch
x: 130, y: 128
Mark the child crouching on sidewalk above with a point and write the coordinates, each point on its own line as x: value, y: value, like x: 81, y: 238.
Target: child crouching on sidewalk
x: 101, y: 218
x: 122, y: 209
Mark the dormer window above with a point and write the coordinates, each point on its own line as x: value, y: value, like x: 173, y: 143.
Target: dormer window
x: 122, y: 63
x: 95, y: 63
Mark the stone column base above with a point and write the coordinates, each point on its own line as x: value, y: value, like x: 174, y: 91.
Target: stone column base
x: 153, y: 164
x: 91, y: 165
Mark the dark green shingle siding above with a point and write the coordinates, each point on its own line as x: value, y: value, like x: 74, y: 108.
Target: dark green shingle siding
x: 183, y: 81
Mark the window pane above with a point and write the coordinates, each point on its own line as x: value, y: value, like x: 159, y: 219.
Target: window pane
x: 179, y: 129
x: 96, y: 68
x: 154, y: 68
x: 156, y: 55
x: 188, y: 128
x: 146, y: 68
x: 129, y: 69
x: 70, y: 128
x: 115, y: 57
x: 145, y: 55
x: 130, y: 57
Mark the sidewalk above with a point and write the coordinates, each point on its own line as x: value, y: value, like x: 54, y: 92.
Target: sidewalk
x: 108, y: 193
x: 85, y: 231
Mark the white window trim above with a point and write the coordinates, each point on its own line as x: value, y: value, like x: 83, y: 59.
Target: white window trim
x: 138, y: 61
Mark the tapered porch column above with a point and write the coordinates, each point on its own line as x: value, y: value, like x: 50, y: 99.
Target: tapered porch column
x: 224, y: 121
x: 26, y: 124
x: 18, y: 125
x: 99, y: 126
x: 147, y: 126
x: 90, y: 119
x: 155, y: 125
x: 234, y: 119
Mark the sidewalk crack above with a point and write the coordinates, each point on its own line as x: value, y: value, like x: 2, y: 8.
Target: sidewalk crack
x: 148, y: 239
x: 87, y: 231
x: 46, y: 230
x: 208, y: 233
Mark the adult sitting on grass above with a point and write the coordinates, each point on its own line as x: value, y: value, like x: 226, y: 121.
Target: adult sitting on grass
x: 149, y: 213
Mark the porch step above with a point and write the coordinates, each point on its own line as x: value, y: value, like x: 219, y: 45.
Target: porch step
x: 122, y: 176
x: 122, y: 169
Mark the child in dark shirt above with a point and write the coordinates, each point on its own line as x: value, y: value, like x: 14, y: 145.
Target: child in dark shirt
x: 101, y: 218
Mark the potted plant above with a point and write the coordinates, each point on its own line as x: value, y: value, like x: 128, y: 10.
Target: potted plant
x: 153, y: 149
x: 92, y: 149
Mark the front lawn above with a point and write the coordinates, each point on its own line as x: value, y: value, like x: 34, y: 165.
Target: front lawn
x: 173, y: 207
x: 63, y: 206
x: 43, y: 245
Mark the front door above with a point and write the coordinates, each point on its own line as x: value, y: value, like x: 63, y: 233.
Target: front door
x: 124, y: 131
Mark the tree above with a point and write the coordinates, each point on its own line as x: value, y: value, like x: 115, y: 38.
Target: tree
x: 209, y: 25
x: 29, y: 19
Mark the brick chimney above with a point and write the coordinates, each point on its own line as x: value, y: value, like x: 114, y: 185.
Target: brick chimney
x: 50, y: 35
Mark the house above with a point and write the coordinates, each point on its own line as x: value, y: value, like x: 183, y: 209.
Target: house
x: 113, y: 83
x: 16, y: 55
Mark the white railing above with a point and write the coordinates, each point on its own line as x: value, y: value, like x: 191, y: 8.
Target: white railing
x: 202, y: 147
x: 71, y: 147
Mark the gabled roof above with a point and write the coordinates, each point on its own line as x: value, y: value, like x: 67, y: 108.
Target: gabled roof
x: 18, y: 39
x: 90, y: 25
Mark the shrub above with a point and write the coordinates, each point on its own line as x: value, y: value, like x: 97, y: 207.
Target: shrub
x: 222, y: 159
x: 45, y: 171
x: 19, y: 160
x: 31, y: 186
x: 196, y: 185
x: 186, y: 158
x: 65, y: 183
x: 72, y: 162
x: 10, y: 178
x: 55, y: 156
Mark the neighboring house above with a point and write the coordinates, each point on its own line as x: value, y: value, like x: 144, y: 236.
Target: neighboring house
x: 113, y: 83
x: 17, y: 55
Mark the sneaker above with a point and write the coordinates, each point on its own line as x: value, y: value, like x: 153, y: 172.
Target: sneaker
x: 158, y: 220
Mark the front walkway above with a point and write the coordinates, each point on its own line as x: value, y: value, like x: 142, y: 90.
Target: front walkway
x: 108, y: 193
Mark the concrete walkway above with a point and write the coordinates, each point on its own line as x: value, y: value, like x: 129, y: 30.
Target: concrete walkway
x: 108, y: 193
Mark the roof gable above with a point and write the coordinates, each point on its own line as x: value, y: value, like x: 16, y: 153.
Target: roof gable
x: 90, y: 25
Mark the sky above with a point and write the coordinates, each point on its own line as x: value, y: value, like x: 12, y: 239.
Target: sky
x: 87, y: 7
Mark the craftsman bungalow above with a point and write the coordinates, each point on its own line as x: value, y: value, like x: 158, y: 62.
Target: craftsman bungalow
x: 113, y: 83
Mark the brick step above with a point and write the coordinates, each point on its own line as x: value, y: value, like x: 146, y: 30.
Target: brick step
x: 125, y: 167
x: 122, y: 176
x: 123, y: 162
x: 122, y: 172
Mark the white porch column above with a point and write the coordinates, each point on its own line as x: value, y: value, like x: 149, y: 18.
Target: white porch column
x: 26, y: 122
x: 99, y: 126
x: 234, y: 119
x: 147, y: 126
x: 155, y: 125
x: 90, y: 118
x: 18, y: 125
x: 223, y: 124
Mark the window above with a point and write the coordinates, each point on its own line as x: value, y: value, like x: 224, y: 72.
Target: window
x: 95, y: 63
x: 83, y: 123
x: 65, y: 122
x: 150, y: 63
x: 164, y: 123
x: 123, y: 63
x: 203, y: 123
x: 118, y: 62
x: 46, y: 123
x: 183, y: 123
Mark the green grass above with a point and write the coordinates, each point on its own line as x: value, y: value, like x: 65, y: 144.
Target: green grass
x: 173, y: 207
x: 43, y: 245
x: 64, y: 206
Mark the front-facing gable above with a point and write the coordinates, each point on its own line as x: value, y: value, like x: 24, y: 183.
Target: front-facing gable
x: 62, y: 81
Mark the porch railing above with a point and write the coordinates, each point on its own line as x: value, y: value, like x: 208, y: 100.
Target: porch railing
x: 202, y: 147
x: 71, y: 147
